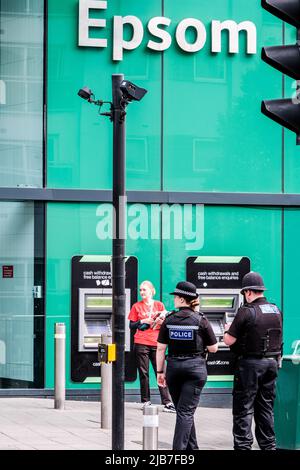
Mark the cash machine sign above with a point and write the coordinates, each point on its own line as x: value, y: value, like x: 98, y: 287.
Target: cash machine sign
x: 267, y: 308
x: 182, y: 333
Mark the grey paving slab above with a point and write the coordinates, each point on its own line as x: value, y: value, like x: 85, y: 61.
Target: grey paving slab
x: 33, y: 423
x: 9, y: 443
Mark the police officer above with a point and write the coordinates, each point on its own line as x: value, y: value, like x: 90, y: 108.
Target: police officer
x: 255, y: 337
x: 188, y: 334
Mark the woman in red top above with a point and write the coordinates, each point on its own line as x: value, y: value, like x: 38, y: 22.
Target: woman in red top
x: 146, y: 317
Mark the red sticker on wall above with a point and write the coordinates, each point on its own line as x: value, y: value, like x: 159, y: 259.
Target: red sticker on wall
x: 7, y: 271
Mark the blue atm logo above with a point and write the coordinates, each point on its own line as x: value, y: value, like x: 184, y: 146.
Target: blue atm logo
x: 186, y: 335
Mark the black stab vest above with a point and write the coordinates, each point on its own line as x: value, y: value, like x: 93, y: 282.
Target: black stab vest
x: 264, y: 332
x: 183, y: 333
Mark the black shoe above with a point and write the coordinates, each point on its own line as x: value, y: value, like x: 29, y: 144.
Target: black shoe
x: 169, y: 408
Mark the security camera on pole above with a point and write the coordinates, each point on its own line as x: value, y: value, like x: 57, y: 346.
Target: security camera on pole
x: 123, y: 92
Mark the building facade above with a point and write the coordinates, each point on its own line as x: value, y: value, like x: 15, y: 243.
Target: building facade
x: 207, y: 174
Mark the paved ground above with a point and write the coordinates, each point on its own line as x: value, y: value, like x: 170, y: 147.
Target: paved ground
x: 33, y: 423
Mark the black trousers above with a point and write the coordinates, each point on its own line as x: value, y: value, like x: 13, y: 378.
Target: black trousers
x: 253, y: 396
x: 145, y: 354
x: 185, y: 378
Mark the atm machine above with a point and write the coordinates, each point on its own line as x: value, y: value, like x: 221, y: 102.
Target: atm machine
x: 95, y: 315
x: 91, y: 314
x: 219, y: 308
x: 218, y: 281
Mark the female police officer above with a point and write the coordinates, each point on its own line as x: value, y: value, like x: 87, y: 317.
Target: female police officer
x: 188, y: 334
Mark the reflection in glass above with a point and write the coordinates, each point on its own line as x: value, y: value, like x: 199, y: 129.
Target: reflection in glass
x: 21, y: 295
x: 21, y: 93
x: 16, y: 300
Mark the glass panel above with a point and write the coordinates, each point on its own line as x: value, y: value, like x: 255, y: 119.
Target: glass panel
x: 21, y: 309
x: 254, y: 232
x: 215, y: 137
x: 291, y: 151
x: 21, y: 93
x: 291, y: 264
x: 81, y: 234
x: 79, y: 144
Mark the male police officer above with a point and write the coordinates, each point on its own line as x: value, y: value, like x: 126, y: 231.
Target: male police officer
x: 255, y: 336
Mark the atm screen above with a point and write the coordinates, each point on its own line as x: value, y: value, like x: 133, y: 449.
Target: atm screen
x: 98, y: 302
x: 216, y: 302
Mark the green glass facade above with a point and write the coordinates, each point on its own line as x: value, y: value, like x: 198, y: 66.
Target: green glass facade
x: 210, y: 102
x: 198, y: 129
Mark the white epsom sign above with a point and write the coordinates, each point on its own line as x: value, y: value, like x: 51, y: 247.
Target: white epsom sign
x: 157, y: 28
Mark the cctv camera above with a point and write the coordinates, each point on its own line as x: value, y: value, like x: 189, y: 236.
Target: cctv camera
x: 131, y: 91
x: 85, y: 93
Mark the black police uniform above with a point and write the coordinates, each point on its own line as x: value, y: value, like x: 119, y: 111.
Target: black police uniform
x: 258, y: 329
x: 187, y: 334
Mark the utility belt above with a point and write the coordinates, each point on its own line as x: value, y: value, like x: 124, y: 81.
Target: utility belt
x: 260, y: 356
x: 187, y: 356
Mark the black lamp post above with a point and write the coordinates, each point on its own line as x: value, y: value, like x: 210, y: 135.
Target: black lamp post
x: 118, y: 265
x: 123, y: 92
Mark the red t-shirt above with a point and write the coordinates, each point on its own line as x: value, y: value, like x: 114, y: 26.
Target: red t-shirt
x: 139, y: 311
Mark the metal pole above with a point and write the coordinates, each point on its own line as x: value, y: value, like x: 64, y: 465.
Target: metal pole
x: 106, y: 388
x: 60, y: 366
x: 118, y: 264
x: 150, y: 428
